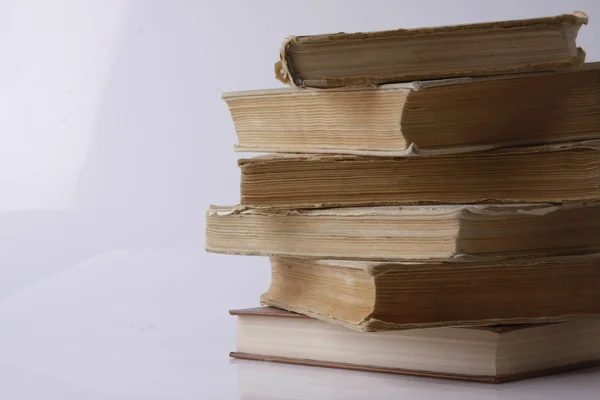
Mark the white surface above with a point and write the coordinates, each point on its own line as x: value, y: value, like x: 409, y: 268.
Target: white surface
x: 113, y: 141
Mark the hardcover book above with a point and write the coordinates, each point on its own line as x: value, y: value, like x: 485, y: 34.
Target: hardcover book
x: 492, y: 354
x: 490, y: 48
x: 371, y: 296
x: 427, y: 232
x: 426, y: 117
x: 552, y: 173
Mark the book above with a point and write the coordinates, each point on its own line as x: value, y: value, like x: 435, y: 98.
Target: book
x: 490, y: 48
x: 551, y: 173
x: 445, y: 232
x: 491, y: 354
x: 427, y: 117
x: 264, y: 380
x: 372, y: 296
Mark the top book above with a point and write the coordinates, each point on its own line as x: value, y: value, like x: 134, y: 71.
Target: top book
x: 490, y: 48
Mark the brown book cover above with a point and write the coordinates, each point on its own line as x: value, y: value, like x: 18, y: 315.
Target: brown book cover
x: 432, y: 52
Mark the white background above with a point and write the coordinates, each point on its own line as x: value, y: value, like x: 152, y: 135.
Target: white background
x: 113, y: 142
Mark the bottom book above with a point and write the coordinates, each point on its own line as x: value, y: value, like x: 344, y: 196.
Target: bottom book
x: 492, y: 354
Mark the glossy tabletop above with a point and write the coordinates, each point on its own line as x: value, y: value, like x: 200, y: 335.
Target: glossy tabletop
x: 126, y: 325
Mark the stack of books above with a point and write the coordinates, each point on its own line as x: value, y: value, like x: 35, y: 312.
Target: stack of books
x: 430, y: 204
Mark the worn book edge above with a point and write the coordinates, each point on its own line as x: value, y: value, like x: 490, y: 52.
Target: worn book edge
x: 450, y: 210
